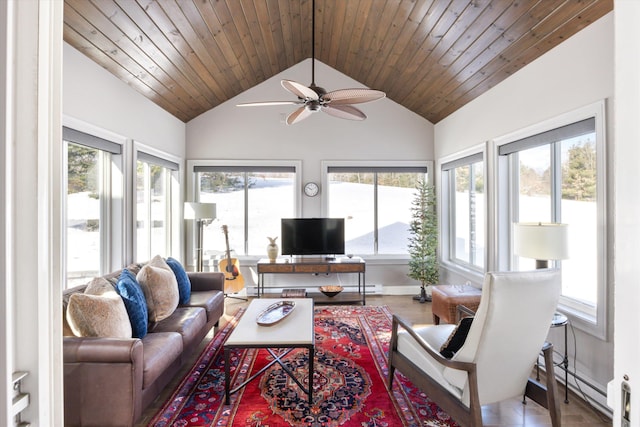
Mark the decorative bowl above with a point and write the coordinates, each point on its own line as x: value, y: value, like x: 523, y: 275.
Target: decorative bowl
x: 331, y: 291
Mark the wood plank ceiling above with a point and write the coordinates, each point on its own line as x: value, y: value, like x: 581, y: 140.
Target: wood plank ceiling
x: 431, y: 56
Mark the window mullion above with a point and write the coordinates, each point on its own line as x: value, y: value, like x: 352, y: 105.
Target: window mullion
x: 556, y: 182
x: 375, y: 213
x: 452, y: 213
x: 148, y: 199
x: 246, y: 213
x: 104, y: 191
x: 167, y: 210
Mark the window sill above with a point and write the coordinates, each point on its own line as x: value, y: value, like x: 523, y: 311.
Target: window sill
x: 585, y: 322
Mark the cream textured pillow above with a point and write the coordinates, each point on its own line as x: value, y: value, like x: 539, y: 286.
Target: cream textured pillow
x: 98, y: 312
x: 160, y: 288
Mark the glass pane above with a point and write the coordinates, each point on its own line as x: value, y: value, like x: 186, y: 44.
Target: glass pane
x: 396, y: 191
x: 534, y: 190
x: 83, y: 214
x: 226, y: 190
x: 351, y: 198
x: 271, y: 197
x: 159, y: 210
x: 579, y: 210
x: 142, y: 212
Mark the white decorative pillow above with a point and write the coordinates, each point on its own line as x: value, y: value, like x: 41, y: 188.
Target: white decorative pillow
x: 98, y: 312
x: 160, y: 288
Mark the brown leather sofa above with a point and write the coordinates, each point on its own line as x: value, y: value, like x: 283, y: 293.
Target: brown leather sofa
x: 110, y: 381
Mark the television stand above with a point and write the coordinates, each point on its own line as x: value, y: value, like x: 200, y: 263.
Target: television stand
x: 353, y: 265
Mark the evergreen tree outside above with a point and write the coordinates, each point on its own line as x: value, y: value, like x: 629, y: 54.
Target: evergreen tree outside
x: 423, y: 241
x: 81, y: 164
x: 579, y: 173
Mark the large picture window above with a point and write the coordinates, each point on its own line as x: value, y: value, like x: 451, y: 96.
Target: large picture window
x: 463, y: 211
x: 88, y: 203
x: 250, y: 200
x: 556, y: 176
x: 376, y: 204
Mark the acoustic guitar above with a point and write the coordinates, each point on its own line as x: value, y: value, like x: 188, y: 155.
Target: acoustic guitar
x: 234, y: 282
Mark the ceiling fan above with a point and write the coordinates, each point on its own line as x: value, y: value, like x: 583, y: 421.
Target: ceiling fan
x: 337, y: 103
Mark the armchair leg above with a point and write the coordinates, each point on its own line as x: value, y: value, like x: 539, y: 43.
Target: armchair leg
x: 552, y: 387
x: 393, y: 346
x: 546, y: 395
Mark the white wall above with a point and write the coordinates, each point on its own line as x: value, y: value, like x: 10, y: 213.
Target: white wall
x: 98, y: 98
x: 574, y: 74
x: 391, y: 132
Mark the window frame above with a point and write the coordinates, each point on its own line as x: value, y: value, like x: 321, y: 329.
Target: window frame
x: 112, y: 221
x: 447, y: 220
x: 380, y: 166
x: 193, y: 191
x: 507, y: 211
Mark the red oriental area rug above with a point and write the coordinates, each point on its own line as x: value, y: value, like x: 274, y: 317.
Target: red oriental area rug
x: 349, y: 381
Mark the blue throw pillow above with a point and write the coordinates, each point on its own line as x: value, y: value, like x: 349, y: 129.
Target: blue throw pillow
x: 135, y: 303
x: 184, y: 284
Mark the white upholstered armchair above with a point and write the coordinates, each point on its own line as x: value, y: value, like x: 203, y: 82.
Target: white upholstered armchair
x: 494, y: 363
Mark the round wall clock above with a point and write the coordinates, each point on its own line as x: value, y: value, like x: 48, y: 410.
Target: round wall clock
x: 311, y: 189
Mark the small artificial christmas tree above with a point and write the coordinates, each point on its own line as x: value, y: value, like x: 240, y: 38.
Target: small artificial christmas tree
x: 423, y: 242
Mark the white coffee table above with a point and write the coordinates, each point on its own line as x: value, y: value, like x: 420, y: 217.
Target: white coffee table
x: 294, y: 331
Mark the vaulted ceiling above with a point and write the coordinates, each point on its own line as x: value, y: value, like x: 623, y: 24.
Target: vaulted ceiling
x: 431, y: 56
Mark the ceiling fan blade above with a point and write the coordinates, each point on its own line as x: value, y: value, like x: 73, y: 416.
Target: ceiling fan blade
x: 344, y: 112
x: 268, y: 103
x: 299, y: 90
x: 299, y: 115
x: 352, y: 96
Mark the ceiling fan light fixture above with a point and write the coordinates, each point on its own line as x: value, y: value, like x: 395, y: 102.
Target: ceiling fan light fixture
x: 315, y: 98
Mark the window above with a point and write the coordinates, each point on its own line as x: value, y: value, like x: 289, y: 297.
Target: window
x: 155, y: 178
x: 464, y: 206
x: 556, y: 176
x: 376, y: 204
x: 250, y: 200
x: 88, y: 203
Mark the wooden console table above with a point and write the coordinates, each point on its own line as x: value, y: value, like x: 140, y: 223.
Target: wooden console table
x: 317, y: 266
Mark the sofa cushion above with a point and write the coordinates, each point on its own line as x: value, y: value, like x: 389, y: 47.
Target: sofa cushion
x: 435, y: 336
x: 135, y: 303
x: 184, y: 284
x: 98, y: 312
x: 189, y: 322
x: 161, y: 350
x: 160, y: 288
x: 211, y: 301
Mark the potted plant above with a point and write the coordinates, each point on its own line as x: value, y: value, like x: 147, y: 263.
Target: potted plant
x: 423, y: 241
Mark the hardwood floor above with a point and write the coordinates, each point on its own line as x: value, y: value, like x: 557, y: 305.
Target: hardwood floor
x: 505, y: 414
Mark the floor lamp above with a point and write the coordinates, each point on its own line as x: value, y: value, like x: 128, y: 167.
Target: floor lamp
x: 541, y: 241
x: 201, y: 213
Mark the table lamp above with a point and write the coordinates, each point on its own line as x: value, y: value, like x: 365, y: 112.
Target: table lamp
x: 201, y: 213
x: 541, y: 241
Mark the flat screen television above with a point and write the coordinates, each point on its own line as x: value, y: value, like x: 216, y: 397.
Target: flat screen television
x: 312, y: 236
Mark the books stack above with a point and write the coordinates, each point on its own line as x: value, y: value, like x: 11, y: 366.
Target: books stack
x: 294, y: 293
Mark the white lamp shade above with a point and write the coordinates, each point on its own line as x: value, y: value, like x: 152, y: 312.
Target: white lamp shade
x: 194, y: 210
x: 541, y: 241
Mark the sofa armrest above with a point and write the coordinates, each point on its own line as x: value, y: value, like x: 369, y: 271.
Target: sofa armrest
x: 102, y: 350
x: 102, y: 381
x: 206, y: 281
